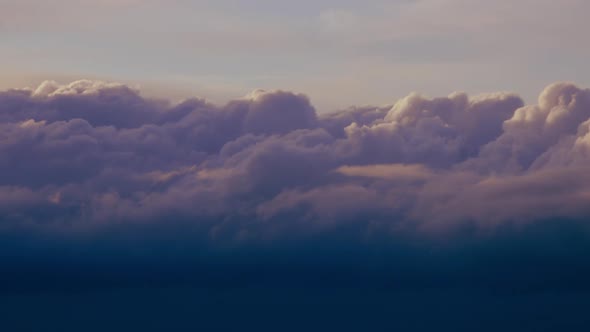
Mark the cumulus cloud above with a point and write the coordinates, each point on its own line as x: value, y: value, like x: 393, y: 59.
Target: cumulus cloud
x: 533, y: 130
x: 89, y: 140
x: 89, y: 159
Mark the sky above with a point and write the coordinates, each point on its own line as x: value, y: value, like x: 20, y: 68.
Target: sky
x: 340, y: 53
x: 286, y: 166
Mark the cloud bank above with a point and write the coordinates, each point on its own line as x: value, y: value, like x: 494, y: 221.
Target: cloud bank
x: 95, y: 175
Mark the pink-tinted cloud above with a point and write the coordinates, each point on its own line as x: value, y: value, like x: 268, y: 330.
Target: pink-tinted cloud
x: 102, y: 152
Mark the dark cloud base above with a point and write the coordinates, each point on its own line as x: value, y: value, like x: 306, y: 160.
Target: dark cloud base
x: 456, y: 210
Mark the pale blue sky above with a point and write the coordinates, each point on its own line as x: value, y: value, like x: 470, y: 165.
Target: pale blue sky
x: 340, y: 53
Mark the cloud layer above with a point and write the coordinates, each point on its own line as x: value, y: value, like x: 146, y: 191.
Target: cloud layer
x: 98, y: 173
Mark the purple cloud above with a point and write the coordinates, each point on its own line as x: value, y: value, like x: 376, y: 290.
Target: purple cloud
x: 102, y: 152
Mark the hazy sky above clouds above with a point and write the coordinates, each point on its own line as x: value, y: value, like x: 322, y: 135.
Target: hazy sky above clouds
x: 340, y: 53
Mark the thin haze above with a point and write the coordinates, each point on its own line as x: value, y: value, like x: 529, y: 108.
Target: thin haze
x: 340, y: 53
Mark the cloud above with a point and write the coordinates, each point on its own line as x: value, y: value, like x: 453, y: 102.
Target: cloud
x: 278, y: 112
x: 92, y: 139
x: 98, y: 167
x: 534, y: 130
x: 387, y: 171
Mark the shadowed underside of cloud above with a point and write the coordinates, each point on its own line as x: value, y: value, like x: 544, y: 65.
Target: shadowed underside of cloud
x: 475, y: 190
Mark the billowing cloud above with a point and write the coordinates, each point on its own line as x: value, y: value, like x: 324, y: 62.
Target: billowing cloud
x: 110, y: 170
x: 89, y: 140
